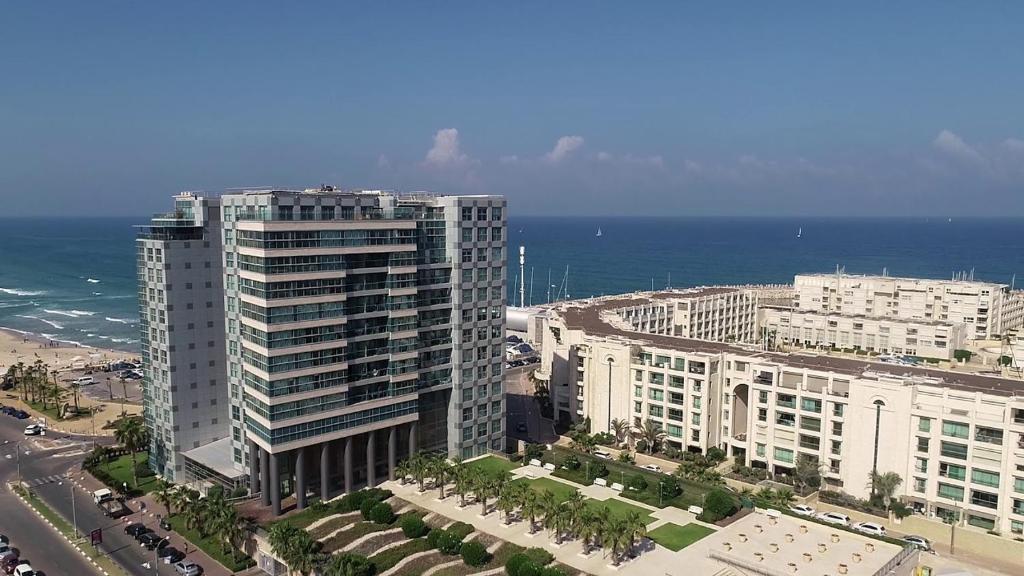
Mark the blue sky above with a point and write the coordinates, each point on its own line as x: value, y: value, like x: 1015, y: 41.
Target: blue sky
x: 802, y: 108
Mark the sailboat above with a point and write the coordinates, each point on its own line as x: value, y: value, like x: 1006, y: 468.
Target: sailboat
x: 599, y: 233
x: 799, y: 232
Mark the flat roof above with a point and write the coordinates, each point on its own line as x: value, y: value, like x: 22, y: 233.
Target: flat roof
x: 898, y: 278
x: 898, y: 320
x: 216, y: 456
x: 586, y: 316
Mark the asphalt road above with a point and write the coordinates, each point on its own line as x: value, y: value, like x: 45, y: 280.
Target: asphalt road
x: 522, y: 408
x: 40, y: 544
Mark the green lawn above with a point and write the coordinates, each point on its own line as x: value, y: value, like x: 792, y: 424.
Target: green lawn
x: 211, y: 546
x: 387, y: 559
x: 676, y: 537
x: 121, y: 471
x: 620, y: 508
x: 492, y: 465
x: 561, y: 490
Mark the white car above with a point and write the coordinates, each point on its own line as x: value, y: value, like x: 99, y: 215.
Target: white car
x: 603, y: 454
x: 870, y: 528
x: 84, y: 381
x: 24, y: 570
x: 834, y: 518
x: 34, y: 430
x: 188, y: 568
x: 803, y: 510
x: 920, y: 542
x: 652, y: 468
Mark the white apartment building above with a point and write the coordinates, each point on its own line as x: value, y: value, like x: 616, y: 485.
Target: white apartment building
x: 924, y: 338
x: 181, y: 312
x: 720, y: 314
x: 956, y: 439
x: 987, y: 309
x: 361, y: 327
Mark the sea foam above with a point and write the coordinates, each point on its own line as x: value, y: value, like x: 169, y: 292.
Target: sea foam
x: 19, y: 292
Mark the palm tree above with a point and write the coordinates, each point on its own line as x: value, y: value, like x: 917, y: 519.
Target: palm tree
x: 132, y: 434
x: 885, y: 485
x: 164, y: 495
x: 620, y: 427
x: 464, y: 478
x: 192, y: 511
x: 582, y: 442
x: 483, y: 488
x: 555, y: 515
x: 576, y: 507
x: 179, y: 499
x: 295, y: 547
x: 586, y: 528
x: 532, y: 505
x: 420, y: 470
x: 637, y: 528
x: 75, y: 386
x: 348, y: 564
x: 403, y: 470
x: 508, y: 499
x: 784, y: 496
x: 616, y: 538
x: 602, y: 519
x: 21, y: 381
x: 652, y: 433
x: 440, y: 470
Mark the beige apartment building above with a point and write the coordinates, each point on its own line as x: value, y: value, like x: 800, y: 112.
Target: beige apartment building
x: 987, y: 309
x: 956, y: 439
x: 721, y: 314
x: 924, y: 338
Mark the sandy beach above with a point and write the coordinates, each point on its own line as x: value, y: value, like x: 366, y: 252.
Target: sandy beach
x: 15, y: 347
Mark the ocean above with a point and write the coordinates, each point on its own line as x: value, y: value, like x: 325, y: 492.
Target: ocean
x: 74, y: 279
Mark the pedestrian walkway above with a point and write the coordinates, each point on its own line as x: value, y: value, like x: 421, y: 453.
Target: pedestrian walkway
x: 44, y: 480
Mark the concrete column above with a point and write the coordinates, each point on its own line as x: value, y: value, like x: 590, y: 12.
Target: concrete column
x: 348, y: 465
x: 300, y: 478
x: 392, y: 451
x: 254, y: 468
x: 371, y: 457
x: 265, y: 483
x: 275, y: 484
x: 413, y: 429
x: 325, y: 471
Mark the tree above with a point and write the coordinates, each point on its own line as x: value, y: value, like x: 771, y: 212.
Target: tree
x: 716, y: 455
x: 164, y: 495
x: 348, y: 564
x: 637, y: 528
x: 463, y: 478
x: 586, y: 528
x: 403, y: 470
x: 616, y: 538
x: 576, y: 508
x: 885, y: 485
x: 474, y: 553
x: 75, y: 386
x: 508, y: 499
x: 440, y: 470
x: 531, y: 507
x: 484, y: 487
x: 718, y: 504
x: 132, y: 434
x: 582, y: 442
x: 192, y: 510
x: 807, y: 473
x: 295, y: 547
x: 620, y: 428
x: 651, y: 433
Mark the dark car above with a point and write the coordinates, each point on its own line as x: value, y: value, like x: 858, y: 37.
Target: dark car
x: 9, y: 410
x: 165, y: 524
x: 170, y: 555
x: 153, y: 541
x: 143, y: 532
x: 20, y: 414
x: 11, y: 563
x: 135, y: 530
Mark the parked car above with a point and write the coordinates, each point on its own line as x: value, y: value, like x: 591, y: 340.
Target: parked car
x: 920, y: 542
x: 7, y: 552
x: 834, y: 518
x: 84, y: 380
x: 870, y: 528
x: 5, y: 539
x: 803, y: 509
x: 153, y: 541
x: 188, y: 568
x: 141, y: 533
x: 9, y: 410
x: 34, y: 430
x: 165, y: 524
x: 603, y: 454
x: 135, y: 529
x: 9, y: 564
x: 170, y: 554
x: 24, y: 570
x: 652, y: 467
x: 20, y: 414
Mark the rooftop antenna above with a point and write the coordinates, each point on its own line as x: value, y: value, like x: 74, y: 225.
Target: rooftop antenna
x: 522, y: 276
x: 531, y: 285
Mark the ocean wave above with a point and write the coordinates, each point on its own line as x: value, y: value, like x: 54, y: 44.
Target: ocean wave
x: 69, y: 313
x: 97, y: 293
x: 14, y: 304
x: 19, y: 292
x: 50, y: 322
x: 119, y: 320
x: 92, y: 280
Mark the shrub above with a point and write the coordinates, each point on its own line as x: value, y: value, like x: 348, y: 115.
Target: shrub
x: 637, y: 483
x: 598, y: 469
x: 670, y: 488
x: 413, y: 526
x: 447, y: 542
x: 382, y: 513
x: 521, y: 565
x: 572, y: 462
x: 605, y: 438
x: 461, y: 529
x: 433, y: 536
x: 533, y: 451
x: 716, y: 455
x: 474, y: 554
x: 962, y: 355
x: 143, y: 470
x: 626, y: 457
x: 366, y: 508
x: 718, y: 504
x: 539, y: 556
x: 354, y: 501
x: 350, y: 564
x: 240, y: 491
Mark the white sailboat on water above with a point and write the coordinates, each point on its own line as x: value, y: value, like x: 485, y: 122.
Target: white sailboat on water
x: 799, y: 232
x: 599, y: 233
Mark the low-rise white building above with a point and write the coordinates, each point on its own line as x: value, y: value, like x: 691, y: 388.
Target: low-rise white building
x: 924, y: 338
x: 722, y: 314
x: 988, y: 309
x: 956, y: 439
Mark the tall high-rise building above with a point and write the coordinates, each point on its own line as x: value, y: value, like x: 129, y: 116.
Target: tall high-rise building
x: 361, y: 327
x: 181, y: 311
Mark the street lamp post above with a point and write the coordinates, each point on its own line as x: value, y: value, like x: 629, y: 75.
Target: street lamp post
x: 74, y: 510
x: 156, y: 554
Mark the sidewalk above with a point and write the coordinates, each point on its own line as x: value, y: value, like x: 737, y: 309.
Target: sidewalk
x: 149, y: 515
x: 91, y: 426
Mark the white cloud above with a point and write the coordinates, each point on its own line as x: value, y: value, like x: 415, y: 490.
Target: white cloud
x: 1014, y: 145
x: 953, y: 145
x: 510, y: 159
x: 565, y: 146
x: 446, y: 152
x: 604, y: 156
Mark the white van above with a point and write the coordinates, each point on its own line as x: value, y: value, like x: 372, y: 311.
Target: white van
x: 84, y: 381
x: 102, y: 495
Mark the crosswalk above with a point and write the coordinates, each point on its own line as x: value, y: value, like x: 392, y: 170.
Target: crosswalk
x: 53, y: 478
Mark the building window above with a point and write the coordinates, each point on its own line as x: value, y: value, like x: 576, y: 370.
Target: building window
x: 922, y: 444
x: 981, y: 522
x: 924, y: 425
x: 985, y: 478
x: 953, y: 471
x: 988, y: 435
x: 919, y: 485
x: 784, y: 455
x: 955, y: 429
x: 759, y: 449
x: 953, y: 450
x: 951, y: 492
x: 783, y: 419
x: 810, y: 405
